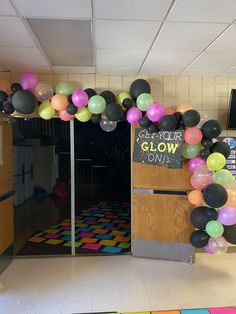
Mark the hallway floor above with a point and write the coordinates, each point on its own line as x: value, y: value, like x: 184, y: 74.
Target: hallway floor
x: 116, y: 283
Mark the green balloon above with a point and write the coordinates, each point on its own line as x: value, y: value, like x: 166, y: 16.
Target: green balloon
x: 143, y: 101
x: 97, y: 104
x: 223, y: 177
x: 64, y: 88
x: 214, y: 228
x: 191, y: 151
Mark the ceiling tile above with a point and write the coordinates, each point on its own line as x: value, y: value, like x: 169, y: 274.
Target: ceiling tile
x: 226, y: 42
x: 203, y: 11
x: 203, y: 72
x: 55, y: 8
x: 166, y: 61
x: 6, y: 8
x: 131, y: 9
x: 14, y: 33
x: 119, y: 61
x: 125, y: 34
x: 185, y: 36
x: 18, y: 59
x: 74, y: 69
x: 231, y: 72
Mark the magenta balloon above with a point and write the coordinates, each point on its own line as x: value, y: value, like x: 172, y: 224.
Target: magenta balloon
x: 29, y: 81
x: 218, y: 245
x: 227, y: 216
x: 196, y: 162
x: 65, y: 116
x: 133, y: 115
x: 79, y: 98
x: 208, y: 249
x: 155, y: 112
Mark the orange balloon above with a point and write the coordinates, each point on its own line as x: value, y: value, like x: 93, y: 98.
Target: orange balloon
x: 184, y: 107
x: 231, y: 199
x: 59, y: 102
x: 5, y: 86
x: 195, y: 197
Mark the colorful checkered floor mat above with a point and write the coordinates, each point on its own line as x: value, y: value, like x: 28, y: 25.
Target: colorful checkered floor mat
x: 220, y: 310
x: 103, y: 228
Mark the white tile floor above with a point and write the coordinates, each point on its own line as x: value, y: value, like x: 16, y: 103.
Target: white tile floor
x: 118, y: 283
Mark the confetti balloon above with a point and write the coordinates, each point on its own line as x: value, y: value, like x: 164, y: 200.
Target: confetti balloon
x: 43, y: 92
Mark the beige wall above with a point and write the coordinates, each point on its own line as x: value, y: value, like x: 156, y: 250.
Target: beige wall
x: 209, y: 95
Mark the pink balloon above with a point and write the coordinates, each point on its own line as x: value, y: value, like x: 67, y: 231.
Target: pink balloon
x: 201, y: 178
x: 155, y: 112
x: 168, y: 110
x: 133, y: 115
x: 196, y: 162
x: 65, y: 116
x: 29, y: 81
x: 218, y: 245
x: 79, y: 98
x: 193, y: 136
x: 227, y: 216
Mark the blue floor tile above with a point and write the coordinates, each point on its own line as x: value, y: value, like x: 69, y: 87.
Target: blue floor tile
x: 111, y: 249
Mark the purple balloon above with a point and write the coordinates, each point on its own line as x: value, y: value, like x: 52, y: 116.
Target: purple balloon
x: 227, y: 216
x: 79, y: 98
x: 29, y: 81
x: 196, y: 162
x: 155, y: 112
x: 208, y: 249
x: 133, y: 115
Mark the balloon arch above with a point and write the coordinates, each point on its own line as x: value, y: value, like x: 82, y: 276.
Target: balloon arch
x: 214, y: 195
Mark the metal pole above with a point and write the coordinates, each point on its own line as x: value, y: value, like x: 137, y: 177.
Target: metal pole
x: 72, y: 183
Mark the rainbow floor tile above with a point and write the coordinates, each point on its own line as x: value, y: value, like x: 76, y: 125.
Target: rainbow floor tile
x: 220, y: 310
x: 103, y: 228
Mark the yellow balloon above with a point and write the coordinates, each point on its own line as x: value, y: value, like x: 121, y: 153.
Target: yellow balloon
x: 46, y: 111
x: 216, y: 161
x: 121, y: 97
x: 83, y: 114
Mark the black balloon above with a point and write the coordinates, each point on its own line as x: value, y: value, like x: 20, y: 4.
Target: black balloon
x: 127, y: 103
x: 211, y: 129
x: 201, y: 215
x: 221, y: 147
x: 3, y: 96
x: 204, y: 153
x: 145, y: 122
x: 168, y: 123
x: 69, y: 98
x: 191, y: 118
x: 109, y: 97
x: 1, y: 106
x: 178, y: 116
x: 139, y: 87
x: 95, y: 118
x: 15, y: 87
x: 24, y: 101
x: 90, y: 92
x: 207, y: 142
x: 230, y: 234
x: 71, y: 109
x: 8, y: 108
x: 9, y: 98
x: 199, y: 238
x: 114, y: 112
x: 153, y: 128
x: 215, y: 195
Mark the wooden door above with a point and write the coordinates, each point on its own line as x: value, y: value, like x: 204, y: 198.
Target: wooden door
x: 160, y: 212
x: 6, y: 193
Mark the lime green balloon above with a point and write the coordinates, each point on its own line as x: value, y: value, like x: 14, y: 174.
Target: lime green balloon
x: 97, y: 104
x: 64, y: 88
x: 214, y: 228
x: 143, y: 101
x: 223, y: 176
x: 190, y: 151
x: 83, y: 114
x: 46, y: 111
x: 121, y: 97
x: 216, y: 161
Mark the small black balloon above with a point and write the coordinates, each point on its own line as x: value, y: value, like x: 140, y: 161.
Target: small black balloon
x: 191, y: 118
x: 139, y: 87
x: 24, y: 101
x: 3, y: 96
x: 114, y: 112
x: 69, y: 98
x: 15, y: 87
x: 215, y: 195
x: 178, y: 116
x: 127, y: 103
x: 108, y: 96
x: 199, y: 238
x: 153, y: 128
x: 90, y: 92
x: 71, y: 109
x: 95, y: 118
x: 201, y: 215
x: 9, y: 98
x: 204, y: 153
x: 211, y: 129
x: 8, y: 108
x: 207, y: 142
x: 145, y: 122
x: 221, y: 147
x: 168, y: 123
x: 230, y: 234
x: 1, y: 106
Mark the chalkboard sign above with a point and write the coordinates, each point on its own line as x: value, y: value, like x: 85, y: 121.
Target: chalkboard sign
x: 162, y: 148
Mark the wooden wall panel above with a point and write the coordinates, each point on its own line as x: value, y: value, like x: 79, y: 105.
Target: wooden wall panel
x: 6, y: 223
